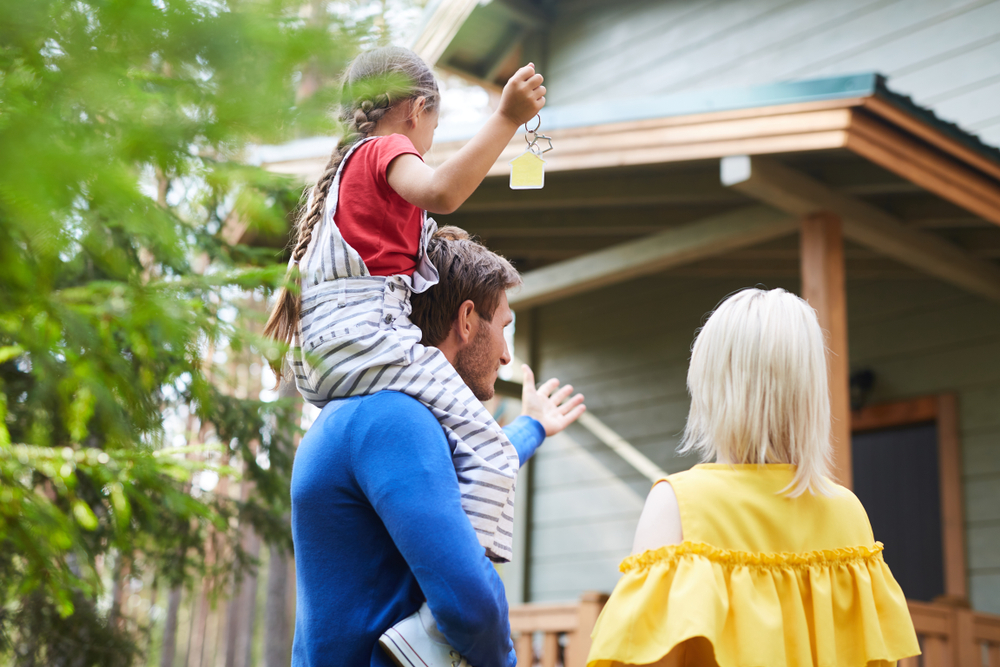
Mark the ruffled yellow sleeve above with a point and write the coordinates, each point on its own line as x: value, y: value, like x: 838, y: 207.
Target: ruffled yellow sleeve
x: 694, y: 604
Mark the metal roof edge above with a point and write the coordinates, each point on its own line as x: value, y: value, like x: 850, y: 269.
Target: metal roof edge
x: 626, y: 110
x: 927, y: 116
x: 861, y: 85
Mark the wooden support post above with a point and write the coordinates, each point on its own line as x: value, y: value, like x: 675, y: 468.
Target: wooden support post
x: 591, y: 604
x: 523, y: 647
x: 993, y: 653
x: 966, y: 650
x: 935, y: 652
x: 952, y: 512
x: 823, y: 286
x: 550, y: 649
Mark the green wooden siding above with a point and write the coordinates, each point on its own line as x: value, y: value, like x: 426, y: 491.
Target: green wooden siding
x: 626, y: 349
x: 943, y: 53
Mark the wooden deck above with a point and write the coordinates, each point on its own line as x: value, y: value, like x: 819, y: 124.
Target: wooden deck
x: 558, y: 635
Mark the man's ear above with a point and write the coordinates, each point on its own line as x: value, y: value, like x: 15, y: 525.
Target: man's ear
x: 466, y: 323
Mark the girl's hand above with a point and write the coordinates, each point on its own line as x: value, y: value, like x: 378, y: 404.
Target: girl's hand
x: 444, y: 189
x: 523, y: 96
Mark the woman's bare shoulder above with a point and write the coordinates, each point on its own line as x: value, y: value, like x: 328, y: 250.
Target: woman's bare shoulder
x: 660, y: 522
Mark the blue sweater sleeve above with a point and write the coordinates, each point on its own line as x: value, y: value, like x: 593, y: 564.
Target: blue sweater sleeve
x: 526, y: 434
x: 402, y: 464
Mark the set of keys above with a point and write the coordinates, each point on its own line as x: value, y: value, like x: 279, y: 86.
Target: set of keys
x: 527, y: 170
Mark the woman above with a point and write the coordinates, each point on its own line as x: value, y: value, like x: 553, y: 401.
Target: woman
x: 757, y: 559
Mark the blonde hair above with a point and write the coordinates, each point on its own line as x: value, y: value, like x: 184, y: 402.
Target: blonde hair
x: 758, y: 385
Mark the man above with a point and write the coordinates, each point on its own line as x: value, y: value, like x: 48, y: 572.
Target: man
x: 376, y: 513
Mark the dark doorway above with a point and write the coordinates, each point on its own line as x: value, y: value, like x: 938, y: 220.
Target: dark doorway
x: 896, y: 477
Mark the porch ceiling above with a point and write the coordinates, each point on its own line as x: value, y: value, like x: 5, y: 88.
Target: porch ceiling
x: 579, y: 212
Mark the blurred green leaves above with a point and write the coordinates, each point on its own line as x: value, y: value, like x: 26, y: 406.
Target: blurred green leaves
x: 124, y: 125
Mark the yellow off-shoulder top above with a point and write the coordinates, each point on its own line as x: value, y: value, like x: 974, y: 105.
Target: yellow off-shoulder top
x: 760, y: 580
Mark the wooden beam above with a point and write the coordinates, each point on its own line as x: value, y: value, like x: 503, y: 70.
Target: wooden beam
x: 601, y: 221
x: 824, y: 287
x: 793, y: 192
x: 602, y: 432
x: 622, y: 448
x: 895, y: 413
x: 674, y: 247
x: 760, y: 270
x: 639, y: 143
x: 931, y: 135
x: 441, y: 28
x: 931, y: 169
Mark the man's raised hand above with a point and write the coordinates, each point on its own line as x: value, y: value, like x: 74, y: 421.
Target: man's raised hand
x: 548, y: 403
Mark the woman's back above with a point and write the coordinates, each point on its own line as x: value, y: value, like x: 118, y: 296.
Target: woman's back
x: 742, y: 507
x: 761, y: 579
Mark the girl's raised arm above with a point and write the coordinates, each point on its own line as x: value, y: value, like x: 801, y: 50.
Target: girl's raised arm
x: 444, y: 189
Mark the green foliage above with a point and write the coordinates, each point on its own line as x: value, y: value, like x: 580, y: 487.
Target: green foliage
x: 123, y: 126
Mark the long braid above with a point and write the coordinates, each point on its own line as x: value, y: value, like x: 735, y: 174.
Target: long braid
x: 360, y: 121
x: 361, y: 125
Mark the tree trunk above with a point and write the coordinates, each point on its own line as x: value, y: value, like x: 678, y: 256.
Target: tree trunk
x: 232, y: 625
x: 148, y: 627
x: 192, y: 615
x: 200, y: 611
x: 248, y: 606
x: 169, y: 647
x: 276, y: 649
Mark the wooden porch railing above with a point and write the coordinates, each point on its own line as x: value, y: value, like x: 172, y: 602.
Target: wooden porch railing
x: 954, y: 637
x: 563, y: 630
x: 558, y: 635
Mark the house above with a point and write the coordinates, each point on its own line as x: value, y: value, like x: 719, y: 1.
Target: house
x: 846, y: 151
x: 706, y: 146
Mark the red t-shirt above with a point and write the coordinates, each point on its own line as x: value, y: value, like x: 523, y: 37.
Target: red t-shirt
x: 382, y: 226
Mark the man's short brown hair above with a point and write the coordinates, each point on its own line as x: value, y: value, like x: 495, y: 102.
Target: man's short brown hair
x: 469, y: 271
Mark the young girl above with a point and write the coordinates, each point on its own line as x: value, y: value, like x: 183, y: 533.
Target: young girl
x: 361, y: 252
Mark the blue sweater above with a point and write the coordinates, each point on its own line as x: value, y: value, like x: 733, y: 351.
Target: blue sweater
x: 378, y: 526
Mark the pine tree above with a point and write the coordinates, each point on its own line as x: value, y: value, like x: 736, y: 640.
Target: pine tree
x: 124, y: 126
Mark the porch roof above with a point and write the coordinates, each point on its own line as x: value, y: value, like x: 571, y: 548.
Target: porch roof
x: 635, y: 188
x: 870, y: 86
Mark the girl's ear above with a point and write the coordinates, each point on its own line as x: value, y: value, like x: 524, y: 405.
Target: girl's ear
x: 417, y: 105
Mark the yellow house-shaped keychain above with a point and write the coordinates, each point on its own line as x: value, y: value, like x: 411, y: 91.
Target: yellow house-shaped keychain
x: 527, y: 171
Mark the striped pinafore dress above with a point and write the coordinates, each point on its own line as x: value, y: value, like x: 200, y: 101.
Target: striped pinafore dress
x: 354, y: 337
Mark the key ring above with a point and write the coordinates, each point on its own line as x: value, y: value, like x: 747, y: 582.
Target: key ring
x: 535, y: 136
x: 527, y: 170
